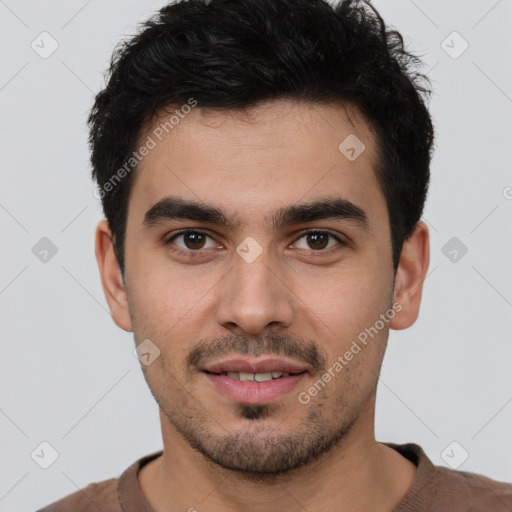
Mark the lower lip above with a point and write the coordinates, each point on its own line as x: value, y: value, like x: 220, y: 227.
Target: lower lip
x: 252, y: 392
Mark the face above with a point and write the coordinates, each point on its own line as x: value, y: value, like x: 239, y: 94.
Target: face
x: 256, y: 294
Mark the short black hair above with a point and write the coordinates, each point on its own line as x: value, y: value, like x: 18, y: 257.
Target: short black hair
x: 236, y: 54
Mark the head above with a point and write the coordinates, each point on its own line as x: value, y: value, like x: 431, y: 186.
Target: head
x: 263, y: 166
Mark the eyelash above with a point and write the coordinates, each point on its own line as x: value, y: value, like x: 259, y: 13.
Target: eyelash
x: 193, y: 254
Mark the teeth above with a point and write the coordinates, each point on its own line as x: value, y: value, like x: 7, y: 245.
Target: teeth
x: 258, y: 377
x: 262, y: 377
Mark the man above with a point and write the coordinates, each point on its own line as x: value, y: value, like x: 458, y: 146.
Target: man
x: 263, y: 166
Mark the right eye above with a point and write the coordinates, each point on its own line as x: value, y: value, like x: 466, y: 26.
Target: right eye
x: 193, y: 241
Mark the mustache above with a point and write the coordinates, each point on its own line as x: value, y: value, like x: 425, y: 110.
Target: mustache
x: 271, y: 344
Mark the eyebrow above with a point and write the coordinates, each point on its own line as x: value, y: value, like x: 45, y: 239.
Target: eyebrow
x: 173, y: 208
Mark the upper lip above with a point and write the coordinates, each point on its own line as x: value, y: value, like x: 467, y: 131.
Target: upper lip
x: 263, y: 366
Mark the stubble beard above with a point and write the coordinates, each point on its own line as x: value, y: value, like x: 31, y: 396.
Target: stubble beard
x: 260, y: 452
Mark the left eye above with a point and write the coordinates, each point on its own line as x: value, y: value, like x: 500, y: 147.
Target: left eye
x: 318, y: 240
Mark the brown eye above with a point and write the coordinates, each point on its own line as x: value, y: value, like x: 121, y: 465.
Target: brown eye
x: 318, y: 241
x: 191, y: 241
x: 194, y: 240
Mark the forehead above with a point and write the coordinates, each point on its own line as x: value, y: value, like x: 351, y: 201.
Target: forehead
x: 268, y: 157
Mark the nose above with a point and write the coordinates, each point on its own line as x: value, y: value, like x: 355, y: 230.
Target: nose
x: 255, y: 296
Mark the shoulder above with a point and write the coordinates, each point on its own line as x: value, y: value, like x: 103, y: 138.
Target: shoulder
x: 440, y: 488
x: 96, y: 496
x: 113, y: 495
x: 481, y: 492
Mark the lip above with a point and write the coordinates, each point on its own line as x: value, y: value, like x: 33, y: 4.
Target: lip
x: 264, y: 366
x: 252, y: 392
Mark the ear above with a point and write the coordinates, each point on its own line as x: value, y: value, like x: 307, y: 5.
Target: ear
x: 111, y: 277
x: 411, y: 272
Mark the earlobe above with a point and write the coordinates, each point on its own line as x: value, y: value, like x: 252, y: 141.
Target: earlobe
x: 111, y: 277
x: 411, y: 273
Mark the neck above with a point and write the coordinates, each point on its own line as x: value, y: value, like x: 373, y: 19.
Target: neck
x: 358, y: 474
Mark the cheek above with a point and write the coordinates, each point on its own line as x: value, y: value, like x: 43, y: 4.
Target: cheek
x: 168, y: 309
x: 162, y: 294
x: 346, y: 301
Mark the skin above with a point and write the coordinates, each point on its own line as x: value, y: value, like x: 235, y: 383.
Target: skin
x: 249, y: 165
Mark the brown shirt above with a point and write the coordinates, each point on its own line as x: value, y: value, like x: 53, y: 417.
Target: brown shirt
x: 435, y: 489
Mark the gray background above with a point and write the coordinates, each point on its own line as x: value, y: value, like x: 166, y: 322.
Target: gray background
x: 68, y: 374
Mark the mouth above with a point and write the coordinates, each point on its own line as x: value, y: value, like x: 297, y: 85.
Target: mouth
x: 255, y: 382
x: 254, y: 377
